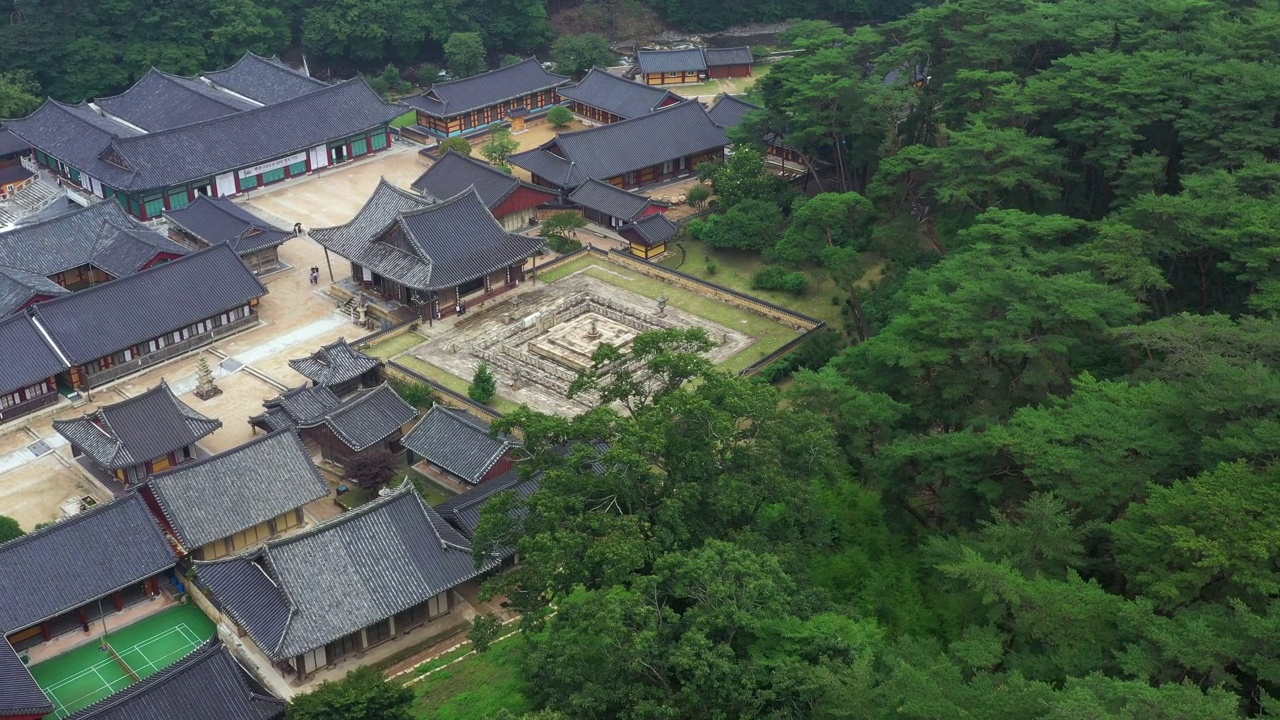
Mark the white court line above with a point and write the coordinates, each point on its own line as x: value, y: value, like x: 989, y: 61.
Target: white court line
x: 91, y: 669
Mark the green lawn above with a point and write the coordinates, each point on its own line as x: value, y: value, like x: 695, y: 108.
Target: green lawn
x: 451, y: 381
x: 475, y: 688
x: 732, y: 86
x: 405, y: 120
x: 427, y: 489
x: 392, y: 346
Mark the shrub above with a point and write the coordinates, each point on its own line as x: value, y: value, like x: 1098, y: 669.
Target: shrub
x: 484, y: 630
x: 419, y: 395
x: 559, y: 116
x: 483, y: 385
x: 371, y: 469
x: 698, y: 195
x: 776, y: 277
x: 456, y: 144
x: 563, y: 245
x: 9, y: 529
x: 760, y: 52
x: 712, y: 267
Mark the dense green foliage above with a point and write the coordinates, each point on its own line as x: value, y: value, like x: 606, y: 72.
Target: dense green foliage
x: 560, y: 116
x: 1036, y: 481
x: 9, y: 529
x: 483, y: 385
x: 574, y: 55
x: 499, y: 147
x: 457, y: 144
x: 364, y: 694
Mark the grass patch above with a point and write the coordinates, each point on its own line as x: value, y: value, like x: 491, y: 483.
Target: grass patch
x: 405, y: 120
x: 432, y: 493
x: 354, y: 497
x: 451, y: 381
x: 567, y: 269
x: 476, y: 688
x: 392, y: 346
x: 732, y: 86
x: 442, y: 660
x: 735, y: 268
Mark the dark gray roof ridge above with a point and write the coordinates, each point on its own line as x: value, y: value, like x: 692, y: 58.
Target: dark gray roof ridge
x: 532, y: 58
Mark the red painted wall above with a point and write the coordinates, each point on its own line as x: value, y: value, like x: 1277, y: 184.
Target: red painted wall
x: 504, y: 464
x: 651, y: 210
x: 725, y: 71
x: 522, y: 199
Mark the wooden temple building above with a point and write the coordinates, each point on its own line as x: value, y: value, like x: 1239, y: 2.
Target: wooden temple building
x: 472, y: 104
x: 612, y: 206
x: 437, y: 257
x: 238, y: 499
x: 49, y: 258
x: 64, y: 578
x: 663, y: 145
x: 213, y: 221
x: 398, y: 572
x: 691, y: 65
x: 648, y: 237
x: 340, y: 368
x: 126, y: 442
x: 458, y: 448
x: 373, y: 419
x: 512, y: 202
x: 169, y: 139
x: 603, y: 97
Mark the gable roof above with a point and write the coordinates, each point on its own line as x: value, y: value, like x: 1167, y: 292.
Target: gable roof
x: 458, y: 442
x: 103, y: 235
x: 265, y: 80
x: 652, y: 229
x: 107, y: 318
x: 718, y: 57
x: 453, y: 241
x: 136, y: 430
x: 219, y: 496
x: 18, y: 287
x: 455, y: 172
x: 25, y: 357
x: 159, y: 101
x: 361, y: 567
x: 334, y: 364
x: 618, y: 148
x: 19, y: 692
x: 615, y: 94
x: 219, y: 220
x: 78, y: 560
x: 463, y: 511
x: 610, y: 200
x: 729, y: 110
x: 207, y: 684
x: 665, y: 61
x: 11, y: 144
x: 302, y: 406
x: 201, y: 150
x: 488, y: 88
x: 369, y: 417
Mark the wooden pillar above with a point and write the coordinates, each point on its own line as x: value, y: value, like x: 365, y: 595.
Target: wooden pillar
x: 46, y: 631
x: 153, y: 586
x: 83, y: 617
x: 118, y: 600
x: 328, y: 264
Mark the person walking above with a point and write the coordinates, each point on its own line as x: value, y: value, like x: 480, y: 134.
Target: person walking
x: 315, y: 275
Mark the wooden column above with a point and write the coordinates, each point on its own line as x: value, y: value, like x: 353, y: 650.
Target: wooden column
x: 46, y: 631
x: 118, y: 600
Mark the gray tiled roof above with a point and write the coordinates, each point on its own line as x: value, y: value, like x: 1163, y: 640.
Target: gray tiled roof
x: 107, y: 318
x: 618, y: 148
x: 613, y: 201
x: 717, y: 57
x: 201, y: 150
x: 102, y: 235
x: 488, y: 88
x: 136, y: 430
x: 334, y: 364
x: 300, y: 407
x: 370, y: 417
x: 454, y: 172
x: 455, y: 241
x: 78, y: 560
x: 653, y: 229
x: 729, y: 111
x: 219, y: 496
x: 463, y: 511
x: 266, y: 80
x: 363, y: 566
x: 160, y: 101
x: 457, y: 442
x: 220, y: 220
x: 19, y: 693
x: 11, y: 144
x: 25, y: 357
x: 665, y: 61
x: 18, y: 287
x: 626, y: 98
x: 355, y: 237
x: 207, y: 684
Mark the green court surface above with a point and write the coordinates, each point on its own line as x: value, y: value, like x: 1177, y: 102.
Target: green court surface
x: 88, y: 674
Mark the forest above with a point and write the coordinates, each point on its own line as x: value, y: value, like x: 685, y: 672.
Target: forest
x: 1033, y: 474
x: 72, y: 49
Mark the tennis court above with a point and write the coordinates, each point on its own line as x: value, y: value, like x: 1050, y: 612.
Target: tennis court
x: 90, y: 673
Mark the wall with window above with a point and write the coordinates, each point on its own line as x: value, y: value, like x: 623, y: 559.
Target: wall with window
x: 250, y: 537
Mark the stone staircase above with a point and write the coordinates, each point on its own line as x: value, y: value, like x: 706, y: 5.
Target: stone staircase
x: 33, y: 198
